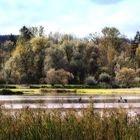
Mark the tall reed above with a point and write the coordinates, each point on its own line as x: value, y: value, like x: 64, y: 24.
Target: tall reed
x: 86, y: 124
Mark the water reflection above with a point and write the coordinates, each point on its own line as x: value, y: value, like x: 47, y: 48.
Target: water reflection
x: 4, y: 97
x: 18, y: 102
x: 72, y: 105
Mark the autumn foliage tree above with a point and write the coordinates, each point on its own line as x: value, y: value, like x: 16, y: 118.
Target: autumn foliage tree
x: 61, y: 58
x: 58, y: 76
x: 138, y: 56
x: 126, y: 76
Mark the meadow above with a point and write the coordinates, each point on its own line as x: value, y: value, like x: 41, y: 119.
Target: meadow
x: 47, y: 89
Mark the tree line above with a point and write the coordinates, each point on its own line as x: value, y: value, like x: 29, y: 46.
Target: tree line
x: 106, y: 59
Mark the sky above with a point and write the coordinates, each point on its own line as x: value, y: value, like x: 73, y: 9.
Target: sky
x: 77, y: 17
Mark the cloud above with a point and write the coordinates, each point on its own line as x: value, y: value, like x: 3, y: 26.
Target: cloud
x: 106, y: 2
x: 78, y: 17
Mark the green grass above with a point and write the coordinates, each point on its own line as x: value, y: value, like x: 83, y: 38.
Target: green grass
x: 30, y: 124
x: 38, y: 90
x: 103, y: 92
x: 109, y: 91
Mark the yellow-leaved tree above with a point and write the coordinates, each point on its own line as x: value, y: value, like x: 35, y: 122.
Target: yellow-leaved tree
x: 125, y: 76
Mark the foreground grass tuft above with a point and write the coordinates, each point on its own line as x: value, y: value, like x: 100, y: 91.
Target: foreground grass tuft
x: 30, y: 124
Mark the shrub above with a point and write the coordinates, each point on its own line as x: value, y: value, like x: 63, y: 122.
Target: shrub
x: 90, y: 80
x: 9, y: 92
x: 7, y: 86
x: 104, y: 85
x: 138, y: 72
x: 58, y: 76
x: 137, y: 80
x: 104, y: 78
x: 125, y: 76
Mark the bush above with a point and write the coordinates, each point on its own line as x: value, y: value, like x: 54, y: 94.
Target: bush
x: 7, y: 86
x: 105, y: 78
x: 114, y: 84
x: 9, y: 92
x: 126, y: 76
x: 136, y: 82
x: 90, y: 80
x: 34, y: 86
x: 104, y: 85
x: 59, y: 76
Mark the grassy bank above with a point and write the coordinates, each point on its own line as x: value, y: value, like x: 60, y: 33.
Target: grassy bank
x: 131, y: 91
x: 61, y: 91
x: 56, y: 125
x: 68, y: 89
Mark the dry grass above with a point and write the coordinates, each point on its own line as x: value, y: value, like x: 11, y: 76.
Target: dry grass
x: 29, y: 124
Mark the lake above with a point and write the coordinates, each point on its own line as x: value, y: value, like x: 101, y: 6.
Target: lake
x: 98, y: 102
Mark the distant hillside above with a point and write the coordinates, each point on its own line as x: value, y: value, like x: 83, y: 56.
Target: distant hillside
x: 11, y: 37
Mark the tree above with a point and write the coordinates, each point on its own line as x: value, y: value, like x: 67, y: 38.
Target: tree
x: 77, y: 64
x: 33, y: 55
x: 25, y: 33
x: 67, y: 37
x: 23, y: 68
x: 113, y: 38
x: 41, y: 31
x: 104, y: 78
x: 34, y: 31
x: 55, y: 37
x: 95, y: 38
x: 91, y: 59
x: 55, y: 58
x: 110, y: 32
x: 111, y: 53
x: 90, y: 80
x: 59, y: 76
x: 137, y: 38
x: 138, y: 56
x: 125, y: 76
x: 69, y: 49
x: 135, y: 43
x: 39, y: 46
x: 9, y: 71
x: 8, y: 46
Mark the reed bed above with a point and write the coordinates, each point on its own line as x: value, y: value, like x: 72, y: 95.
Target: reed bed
x: 72, y: 124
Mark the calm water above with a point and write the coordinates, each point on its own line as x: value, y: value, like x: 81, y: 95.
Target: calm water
x: 9, y: 98
x: 98, y: 102
x: 71, y: 105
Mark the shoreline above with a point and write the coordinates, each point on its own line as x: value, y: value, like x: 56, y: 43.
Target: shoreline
x: 75, y: 91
